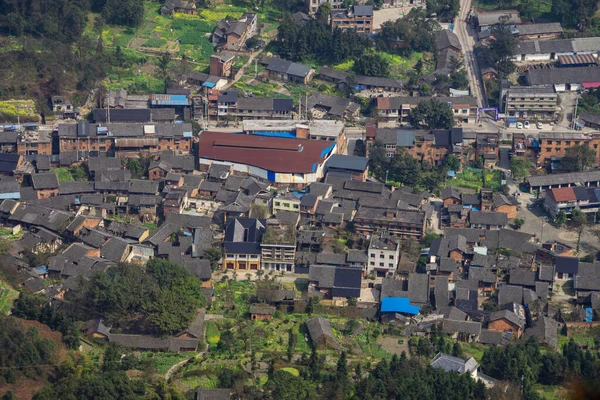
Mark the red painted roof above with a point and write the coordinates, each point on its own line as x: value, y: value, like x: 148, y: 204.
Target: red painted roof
x: 562, y: 194
x: 273, y: 154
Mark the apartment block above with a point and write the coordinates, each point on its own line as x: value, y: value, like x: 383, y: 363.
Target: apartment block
x: 359, y: 18
x: 530, y: 103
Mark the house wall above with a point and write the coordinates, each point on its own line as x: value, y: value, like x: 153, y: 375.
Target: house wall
x: 47, y: 193
x: 503, y: 325
x: 25, y: 148
x: 242, y: 261
x: 511, y: 211
x: 260, y: 317
x: 456, y: 255
x: 156, y: 174
x: 451, y: 200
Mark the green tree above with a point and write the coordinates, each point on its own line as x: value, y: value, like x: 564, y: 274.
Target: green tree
x: 519, y: 168
x: 452, y: 163
x: 285, y: 386
x: 578, y: 158
x: 372, y: 65
x: 360, y: 149
x: 457, y: 350
x: 502, y: 48
x: 214, y: 255
x: 561, y: 218
x: 431, y: 114
x: 518, y: 223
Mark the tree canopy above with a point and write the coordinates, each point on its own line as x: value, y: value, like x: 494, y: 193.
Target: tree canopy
x: 372, y: 65
x: 502, y: 48
x: 413, y: 32
x: 578, y: 158
x: 432, y: 114
x: 161, y: 298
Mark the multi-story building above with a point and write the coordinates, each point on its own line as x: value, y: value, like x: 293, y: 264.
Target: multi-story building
x: 530, y: 103
x: 360, y: 19
x: 569, y: 198
x: 253, y: 108
x: 124, y: 140
x: 398, y: 108
x: 312, y: 6
x: 242, y: 244
x: 432, y: 146
x: 399, y: 223
x: 221, y: 64
x: 384, y: 254
x: 278, y: 248
x: 286, y: 202
x: 554, y: 145
x: 34, y: 142
x: 232, y: 34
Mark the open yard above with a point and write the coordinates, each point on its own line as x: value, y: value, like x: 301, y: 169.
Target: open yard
x: 474, y: 179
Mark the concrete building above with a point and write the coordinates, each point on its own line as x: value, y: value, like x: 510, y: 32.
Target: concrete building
x: 398, y: 108
x: 359, y: 18
x: 312, y: 6
x: 539, y: 103
x: 384, y: 254
x: 221, y: 64
x: 547, y: 50
x: 232, y: 34
x: 278, y: 248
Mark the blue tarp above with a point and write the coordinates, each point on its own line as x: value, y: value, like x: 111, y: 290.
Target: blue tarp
x: 279, y: 134
x: 398, y: 304
x: 209, y: 84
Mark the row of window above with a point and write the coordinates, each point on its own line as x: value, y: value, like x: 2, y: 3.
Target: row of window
x: 391, y: 257
x: 390, y: 265
x: 287, y: 205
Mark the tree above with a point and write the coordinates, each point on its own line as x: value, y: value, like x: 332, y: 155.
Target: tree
x: 561, y: 218
x: 578, y: 158
x: 452, y: 163
x: 577, y: 218
x: 360, y: 149
x: 502, y: 48
x: 519, y: 168
x: 431, y: 114
x: 372, y: 65
x: 352, y: 302
x: 285, y: 386
x: 457, y: 350
x: 518, y: 223
x: 123, y: 12
x: 163, y: 66
x: 214, y: 255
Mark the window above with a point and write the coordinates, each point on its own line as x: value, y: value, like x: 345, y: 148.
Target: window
x: 230, y: 256
x: 296, y: 206
x: 253, y: 256
x: 381, y: 264
x: 549, y: 141
x: 382, y: 256
x: 391, y: 257
x: 277, y: 204
x: 372, y: 255
x: 558, y: 142
x: 391, y: 265
x: 568, y: 142
x: 548, y: 149
x: 372, y: 263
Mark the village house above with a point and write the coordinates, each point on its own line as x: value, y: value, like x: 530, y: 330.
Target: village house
x: 284, y: 71
x: 232, y: 34
x: 241, y: 247
x: 261, y: 312
x: 360, y: 19
x: 398, y: 108
x: 506, y: 321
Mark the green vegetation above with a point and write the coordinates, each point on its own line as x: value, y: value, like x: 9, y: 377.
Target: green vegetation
x: 7, y: 297
x: 63, y: 174
x: 520, y: 168
x: 473, y: 179
x: 23, y: 109
x: 164, y: 296
x: 212, y: 333
x: 162, y: 361
x: 23, y: 352
x: 151, y: 226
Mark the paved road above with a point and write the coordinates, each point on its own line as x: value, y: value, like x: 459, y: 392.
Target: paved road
x: 465, y: 36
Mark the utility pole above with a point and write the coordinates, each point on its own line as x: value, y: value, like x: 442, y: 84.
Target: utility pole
x: 574, y: 114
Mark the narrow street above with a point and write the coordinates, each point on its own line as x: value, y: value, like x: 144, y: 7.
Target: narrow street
x: 466, y: 37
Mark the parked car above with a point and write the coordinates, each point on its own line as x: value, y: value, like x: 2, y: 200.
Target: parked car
x: 539, y: 125
x: 526, y: 124
x: 519, y: 125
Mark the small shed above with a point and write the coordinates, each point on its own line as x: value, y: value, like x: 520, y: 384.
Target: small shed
x: 259, y: 312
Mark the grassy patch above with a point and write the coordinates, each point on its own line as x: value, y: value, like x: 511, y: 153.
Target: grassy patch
x: 474, y: 350
x: 291, y: 370
x: 212, y: 334
x: 7, y: 234
x: 473, y: 179
x: 154, y: 42
x: 63, y: 174
x: 11, y: 109
x: 551, y: 392
x: 345, y: 66
x: 7, y: 297
x: 151, y: 226
x: 164, y: 361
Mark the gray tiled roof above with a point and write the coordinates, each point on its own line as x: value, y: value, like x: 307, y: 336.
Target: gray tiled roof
x: 468, y: 327
x: 507, y: 315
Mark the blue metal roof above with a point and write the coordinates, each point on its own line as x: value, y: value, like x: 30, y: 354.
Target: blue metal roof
x: 398, y: 304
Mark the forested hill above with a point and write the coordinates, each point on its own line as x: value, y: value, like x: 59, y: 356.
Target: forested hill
x: 43, y: 48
